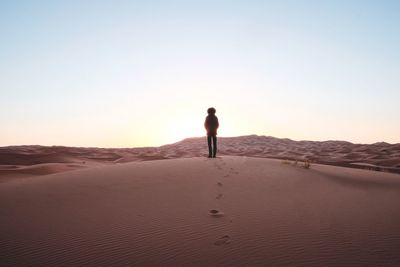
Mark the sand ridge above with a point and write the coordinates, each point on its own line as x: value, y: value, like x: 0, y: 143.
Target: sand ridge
x: 15, y: 160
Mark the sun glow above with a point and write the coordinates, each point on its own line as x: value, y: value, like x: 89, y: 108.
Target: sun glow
x: 184, y: 127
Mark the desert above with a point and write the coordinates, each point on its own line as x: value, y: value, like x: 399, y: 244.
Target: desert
x: 234, y: 210
x: 199, y: 133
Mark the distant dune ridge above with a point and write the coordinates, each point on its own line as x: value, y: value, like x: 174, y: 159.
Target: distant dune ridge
x: 16, y: 160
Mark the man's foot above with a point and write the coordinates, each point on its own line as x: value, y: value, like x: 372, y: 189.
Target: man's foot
x: 214, y: 156
x: 209, y: 157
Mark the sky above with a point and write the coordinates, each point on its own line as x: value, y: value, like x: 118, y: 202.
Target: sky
x: 143, y: 73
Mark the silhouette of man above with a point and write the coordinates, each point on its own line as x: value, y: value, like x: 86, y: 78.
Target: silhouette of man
x: 211, y: 124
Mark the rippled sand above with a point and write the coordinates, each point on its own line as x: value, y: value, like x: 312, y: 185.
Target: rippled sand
x: 162, y: 213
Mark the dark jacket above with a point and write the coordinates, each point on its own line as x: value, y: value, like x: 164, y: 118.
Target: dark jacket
x: 211, y: 124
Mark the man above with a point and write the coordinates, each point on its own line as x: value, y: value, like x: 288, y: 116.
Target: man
x: 211, y: 124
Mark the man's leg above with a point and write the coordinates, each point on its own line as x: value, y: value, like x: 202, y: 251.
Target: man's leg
x: 209, y: 146
x: 215, y: 145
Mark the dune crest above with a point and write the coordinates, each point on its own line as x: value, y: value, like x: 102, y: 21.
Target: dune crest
x: 379, y: 156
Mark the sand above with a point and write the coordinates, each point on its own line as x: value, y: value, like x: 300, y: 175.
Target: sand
x: 228, y: 211
x: 21, y: 161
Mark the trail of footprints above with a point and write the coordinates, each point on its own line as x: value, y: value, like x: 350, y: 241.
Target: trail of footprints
x: 225, y: 239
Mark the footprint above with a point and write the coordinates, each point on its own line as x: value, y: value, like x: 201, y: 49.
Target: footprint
x: 232, y: 171
x: 226, y: 175
x: 217, y: 166
x: 219, y: 184
x: 219, y: 196
x: 223, y: 240
x: 215, y: 213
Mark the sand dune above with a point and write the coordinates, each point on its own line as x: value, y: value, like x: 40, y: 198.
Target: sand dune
x: 379, y: 156
x: 162, y: 213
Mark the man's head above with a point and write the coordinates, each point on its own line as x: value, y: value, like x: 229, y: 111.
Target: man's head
x: 211, y: 111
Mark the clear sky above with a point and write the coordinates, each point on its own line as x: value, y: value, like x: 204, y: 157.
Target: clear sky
x: 143, y: 73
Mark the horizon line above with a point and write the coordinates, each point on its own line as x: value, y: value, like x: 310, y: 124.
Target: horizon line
x: 198, y: 137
